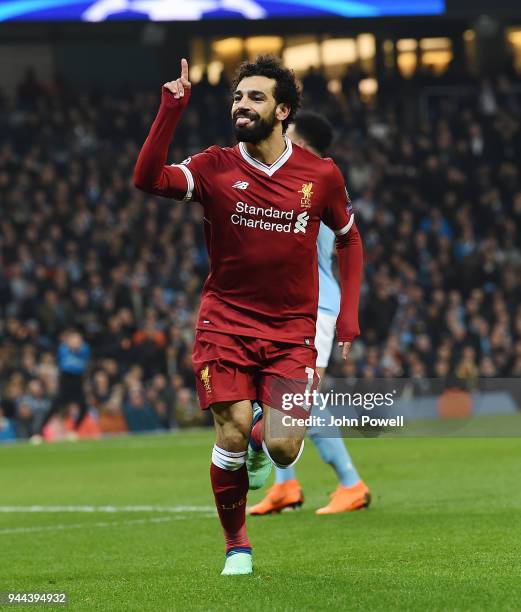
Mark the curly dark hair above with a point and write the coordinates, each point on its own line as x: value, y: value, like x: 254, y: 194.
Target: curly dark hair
x: 286, y: 90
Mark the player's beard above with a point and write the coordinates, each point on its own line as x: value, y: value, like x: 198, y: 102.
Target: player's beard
x: 258, y: 130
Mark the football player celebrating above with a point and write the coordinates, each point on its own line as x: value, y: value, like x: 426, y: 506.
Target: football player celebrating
x: 313, y: 132
x: 263, y: 201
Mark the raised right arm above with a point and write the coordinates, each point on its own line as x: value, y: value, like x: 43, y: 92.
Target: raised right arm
x: 151, y: 174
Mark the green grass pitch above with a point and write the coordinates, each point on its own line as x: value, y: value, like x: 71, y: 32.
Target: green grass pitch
x: 443, y: 532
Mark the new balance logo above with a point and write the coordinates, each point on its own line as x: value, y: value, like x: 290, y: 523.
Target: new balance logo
x: 241, y: 185
x: 301, y: 223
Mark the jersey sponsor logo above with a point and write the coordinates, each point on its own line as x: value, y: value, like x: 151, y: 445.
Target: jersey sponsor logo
x: 241, y: 185
x: 205, y: 377
x: 301, y: 223
x: 268, y: 218
x: 307, y: 191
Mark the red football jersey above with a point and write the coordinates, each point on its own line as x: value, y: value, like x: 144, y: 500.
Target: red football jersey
x: 262, y: 227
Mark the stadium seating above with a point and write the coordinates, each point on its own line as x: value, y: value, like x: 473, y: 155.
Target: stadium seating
x: 436, y: 188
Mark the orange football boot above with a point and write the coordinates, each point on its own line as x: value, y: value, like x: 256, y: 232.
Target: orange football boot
x: 347, y: 499
x: 280, y: 496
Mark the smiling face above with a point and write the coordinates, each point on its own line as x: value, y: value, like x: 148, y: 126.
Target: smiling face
x: 255, y: 112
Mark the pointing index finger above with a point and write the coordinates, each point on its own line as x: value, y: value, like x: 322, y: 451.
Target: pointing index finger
x: 184, y: 69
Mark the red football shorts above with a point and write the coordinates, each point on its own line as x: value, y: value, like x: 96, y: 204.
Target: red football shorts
x: 232, y: 368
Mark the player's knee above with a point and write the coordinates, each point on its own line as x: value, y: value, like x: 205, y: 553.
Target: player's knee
x: 234, y: 440
x: 232, y: 427
x: 234, y: 435
x: 284, y: 450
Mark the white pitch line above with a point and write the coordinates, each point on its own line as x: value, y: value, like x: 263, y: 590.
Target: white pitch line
x: 106, y: 509
x: 64, y: 527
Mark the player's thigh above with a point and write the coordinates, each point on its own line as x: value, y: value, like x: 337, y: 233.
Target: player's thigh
x: 325, y: 335
x: 232, y: 424
x: 222, y: 368
x: 286, y: 392
x: 289, y: 378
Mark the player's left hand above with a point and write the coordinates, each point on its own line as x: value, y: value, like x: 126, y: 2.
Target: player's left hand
x: 346, y: 347
x: 180, y: 85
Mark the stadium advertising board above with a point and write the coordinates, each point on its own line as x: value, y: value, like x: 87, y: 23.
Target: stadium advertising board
x: 179, y: 10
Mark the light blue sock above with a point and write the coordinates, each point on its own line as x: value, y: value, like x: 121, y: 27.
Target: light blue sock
x: 334, y: 452
x: 285, y: 475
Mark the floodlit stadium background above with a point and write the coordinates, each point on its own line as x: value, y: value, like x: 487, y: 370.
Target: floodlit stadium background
x: 427, y: 115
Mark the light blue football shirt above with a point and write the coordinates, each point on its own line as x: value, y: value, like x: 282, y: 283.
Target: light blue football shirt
x: 328, y: 289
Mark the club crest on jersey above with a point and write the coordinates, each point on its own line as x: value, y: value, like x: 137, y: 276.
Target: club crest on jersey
x: 307, y: 191
x: 204, y: 374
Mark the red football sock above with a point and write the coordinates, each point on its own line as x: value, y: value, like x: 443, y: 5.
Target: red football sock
x: 256, y: 435
x: 230, y: 489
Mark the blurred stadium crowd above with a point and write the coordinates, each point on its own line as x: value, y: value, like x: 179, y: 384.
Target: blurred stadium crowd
x: 432, y: 169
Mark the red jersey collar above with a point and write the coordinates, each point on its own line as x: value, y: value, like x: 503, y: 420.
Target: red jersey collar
x: 269, y: 170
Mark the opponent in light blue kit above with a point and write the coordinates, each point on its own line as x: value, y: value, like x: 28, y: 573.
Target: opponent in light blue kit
x: 314, y: 133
